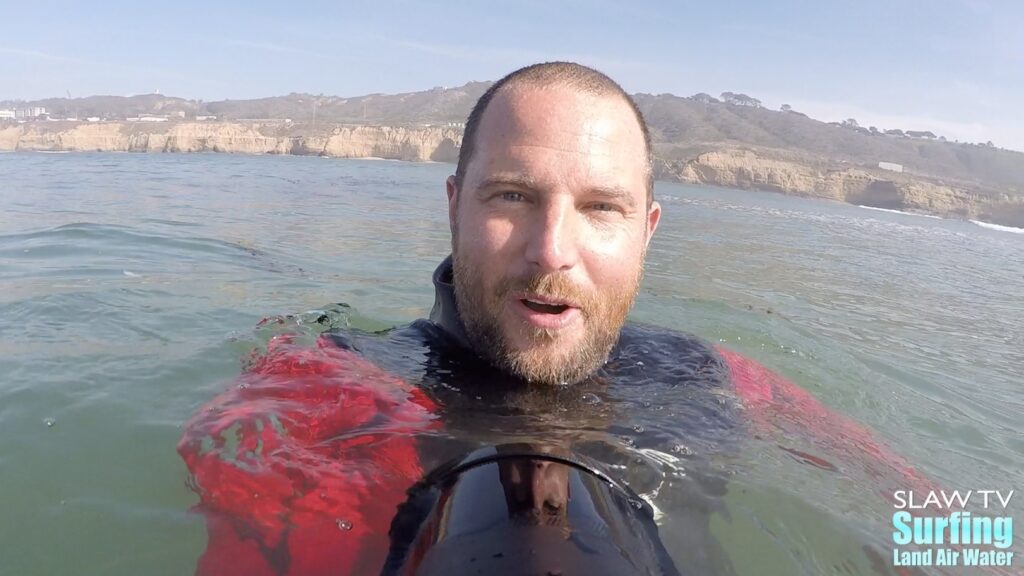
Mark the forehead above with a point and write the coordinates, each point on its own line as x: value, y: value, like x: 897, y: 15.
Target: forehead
x: 559, y: 136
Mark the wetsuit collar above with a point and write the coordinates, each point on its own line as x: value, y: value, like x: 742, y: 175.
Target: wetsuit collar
x: 446, y: 312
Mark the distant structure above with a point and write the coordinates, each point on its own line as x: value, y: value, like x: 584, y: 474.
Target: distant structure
x: 8, y: 114
x: 24, y: 113
x: 147, y: 118
x: 891, y: 167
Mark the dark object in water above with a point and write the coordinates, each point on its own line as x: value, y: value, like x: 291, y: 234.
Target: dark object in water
x: 524, y: 509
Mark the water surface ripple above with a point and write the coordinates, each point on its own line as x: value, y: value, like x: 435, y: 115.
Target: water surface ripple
x: 130, y: 286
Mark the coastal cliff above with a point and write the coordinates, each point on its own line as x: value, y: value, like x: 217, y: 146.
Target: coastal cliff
x: 732, y: 168
x: 397, y: 143
x: 856, y: 185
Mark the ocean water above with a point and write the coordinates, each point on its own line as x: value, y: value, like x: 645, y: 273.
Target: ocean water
x: 130, y: 286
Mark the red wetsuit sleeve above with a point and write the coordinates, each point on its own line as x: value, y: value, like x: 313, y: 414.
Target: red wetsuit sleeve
x: 301, y: 464
x: 774, y: 402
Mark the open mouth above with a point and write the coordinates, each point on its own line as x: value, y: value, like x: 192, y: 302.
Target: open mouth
x: 545, y: 308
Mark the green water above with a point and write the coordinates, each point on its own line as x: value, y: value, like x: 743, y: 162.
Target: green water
x: 130, y: 284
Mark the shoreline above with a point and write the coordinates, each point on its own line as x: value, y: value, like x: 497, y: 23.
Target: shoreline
x: 730, y: 168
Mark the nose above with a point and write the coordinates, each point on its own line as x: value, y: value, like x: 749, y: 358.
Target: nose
x: 553, y: 244
x: 549, y: 484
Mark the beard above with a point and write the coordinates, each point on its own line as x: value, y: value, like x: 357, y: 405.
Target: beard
x: 548, y: 357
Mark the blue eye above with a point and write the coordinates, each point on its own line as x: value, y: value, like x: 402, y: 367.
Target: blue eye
x: 512, y: 196
x: 604, y: 207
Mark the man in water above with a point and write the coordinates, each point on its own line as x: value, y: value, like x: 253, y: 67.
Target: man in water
x: 551, y: 211
x: 301, y: 466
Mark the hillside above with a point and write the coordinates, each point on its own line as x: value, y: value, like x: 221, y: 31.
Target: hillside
x: 731, y: 141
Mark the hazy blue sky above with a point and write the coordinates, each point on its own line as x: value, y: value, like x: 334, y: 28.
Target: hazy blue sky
x: 952, y: 66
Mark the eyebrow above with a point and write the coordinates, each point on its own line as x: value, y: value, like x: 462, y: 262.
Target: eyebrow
x: 615, y: 193
x: 511, y: 180
x: 527, y: 183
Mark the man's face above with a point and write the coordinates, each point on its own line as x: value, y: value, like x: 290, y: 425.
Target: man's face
x: 549, y: 231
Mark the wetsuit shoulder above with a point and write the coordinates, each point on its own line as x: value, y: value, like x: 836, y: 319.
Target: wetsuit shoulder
x: 671, y: 355
x: 420, y: 332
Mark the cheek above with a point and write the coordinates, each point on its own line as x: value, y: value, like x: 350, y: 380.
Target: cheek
x: 488, y: 238
x: 613, y: 257
x: 485, y: 248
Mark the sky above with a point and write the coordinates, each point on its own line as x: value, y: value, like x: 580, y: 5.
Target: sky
x: 955, y: 67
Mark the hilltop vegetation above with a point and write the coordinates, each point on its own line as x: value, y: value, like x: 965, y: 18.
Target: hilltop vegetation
x: 682, y: 129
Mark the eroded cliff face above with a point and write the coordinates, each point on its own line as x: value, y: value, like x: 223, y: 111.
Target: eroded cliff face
x: 745, y: 170
x: 398, y: 143
x: 732, y: 168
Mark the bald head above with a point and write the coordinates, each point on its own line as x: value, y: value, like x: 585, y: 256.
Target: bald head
x: 549, y: 75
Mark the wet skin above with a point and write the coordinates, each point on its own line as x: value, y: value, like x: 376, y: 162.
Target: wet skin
x: 550, y: 229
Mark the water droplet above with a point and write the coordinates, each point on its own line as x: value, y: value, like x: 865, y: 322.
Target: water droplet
x: 49, y: 422
x: 323, y: 495
x: 639, y: 362
x: 242, y: 385
x: 590, y: 398
x: 343, y: 524
x: 638, y: 428
x: 255, y: 494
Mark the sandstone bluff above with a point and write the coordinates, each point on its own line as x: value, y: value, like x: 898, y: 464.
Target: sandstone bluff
x: 730, y: 167
x: 398, y: 143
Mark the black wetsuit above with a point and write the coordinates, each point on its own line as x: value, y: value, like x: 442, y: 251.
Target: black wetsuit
x: 660, y: 414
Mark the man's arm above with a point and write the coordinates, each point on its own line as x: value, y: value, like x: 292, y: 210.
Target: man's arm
x: 775, y: 402
x: 302, y: 463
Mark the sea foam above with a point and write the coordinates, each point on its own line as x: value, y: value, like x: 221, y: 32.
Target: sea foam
x: 998, y: 227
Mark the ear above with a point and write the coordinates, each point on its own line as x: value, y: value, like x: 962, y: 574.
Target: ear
x: 653, y: 217
x: 453, y: 202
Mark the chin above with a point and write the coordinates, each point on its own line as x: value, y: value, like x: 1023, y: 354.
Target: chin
x: 551, y: 362
x: 554, y: 342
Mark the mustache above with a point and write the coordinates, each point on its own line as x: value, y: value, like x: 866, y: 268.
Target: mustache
x: 555, y: 286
